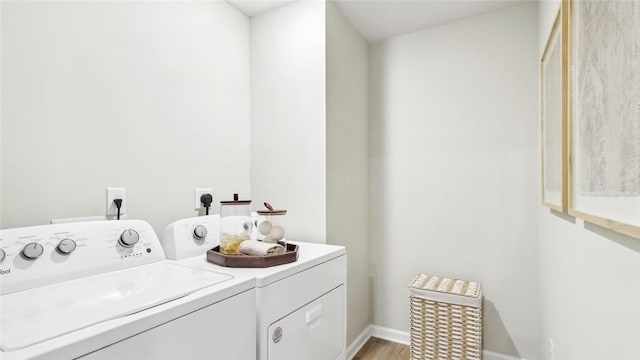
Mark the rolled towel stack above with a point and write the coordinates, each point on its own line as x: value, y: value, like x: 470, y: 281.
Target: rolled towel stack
x: 259, y: 248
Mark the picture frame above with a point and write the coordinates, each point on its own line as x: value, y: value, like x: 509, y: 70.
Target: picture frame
x: 553, y: 124
x: 604, y: 114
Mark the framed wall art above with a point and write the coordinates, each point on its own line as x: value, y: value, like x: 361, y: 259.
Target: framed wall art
x: 553, y: 120
x: 604, y: 113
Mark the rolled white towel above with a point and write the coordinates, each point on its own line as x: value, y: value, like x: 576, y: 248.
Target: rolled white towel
x: 259, y: 248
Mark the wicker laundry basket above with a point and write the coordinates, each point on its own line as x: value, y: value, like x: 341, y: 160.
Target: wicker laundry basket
x: 445, y: 319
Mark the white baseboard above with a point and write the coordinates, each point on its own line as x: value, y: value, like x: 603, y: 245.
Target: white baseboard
x: 402, y: 337
x: 490, y: 355
x: 358, y: 343
x: 386, y: 333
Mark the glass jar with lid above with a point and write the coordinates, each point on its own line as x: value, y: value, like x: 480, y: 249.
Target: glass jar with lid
x: 271, y: 225
x: 235, y: 224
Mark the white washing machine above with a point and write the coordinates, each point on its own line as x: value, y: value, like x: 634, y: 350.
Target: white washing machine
x: 300, y: 307
x: 104, y: 290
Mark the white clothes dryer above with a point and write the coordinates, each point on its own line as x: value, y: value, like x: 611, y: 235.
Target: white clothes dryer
x: 300, y: 306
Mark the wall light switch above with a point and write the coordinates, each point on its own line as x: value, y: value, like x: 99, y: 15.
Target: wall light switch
x: 197, y: 204
x: 116, y: 193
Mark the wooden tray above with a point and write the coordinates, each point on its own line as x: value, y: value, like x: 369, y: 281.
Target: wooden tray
x: 246, y: 261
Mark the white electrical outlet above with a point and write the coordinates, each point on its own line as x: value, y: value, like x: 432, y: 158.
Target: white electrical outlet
x: 197, y: 204
x: 550, y: 349
x: 116, y: 193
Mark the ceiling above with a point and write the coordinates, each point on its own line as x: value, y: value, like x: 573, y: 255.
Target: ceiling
x: 257, y: 7
x: 380, y: 19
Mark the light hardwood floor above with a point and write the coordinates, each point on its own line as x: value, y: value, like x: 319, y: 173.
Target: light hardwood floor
x: 378, y: 349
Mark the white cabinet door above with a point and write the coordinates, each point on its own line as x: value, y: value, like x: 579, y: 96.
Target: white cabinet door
x: 313, y: 332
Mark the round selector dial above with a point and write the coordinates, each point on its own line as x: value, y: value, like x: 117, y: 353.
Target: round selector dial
x: 32, y: 251
x: 199, y: 232
x: 128, y: 238
x: 2, y: 255
x: 66, y: 246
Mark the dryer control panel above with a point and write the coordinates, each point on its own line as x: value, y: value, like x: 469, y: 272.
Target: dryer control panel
x: 42, y: 255
x: 191, y: 237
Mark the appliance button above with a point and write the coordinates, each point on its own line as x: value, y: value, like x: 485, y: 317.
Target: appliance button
x: 199, y: 232
x: 32, y: 251
x: 66, y: 246
x: 128, y: 238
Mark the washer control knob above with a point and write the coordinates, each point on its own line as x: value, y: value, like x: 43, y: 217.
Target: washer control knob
x: 199, y: 232
x: 66, y: 246
x: 2, y: 255
x: 32, y: 251
x: 128, y: 238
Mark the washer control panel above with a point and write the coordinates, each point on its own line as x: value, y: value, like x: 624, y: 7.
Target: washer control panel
x: 191, y: 237
x: 42, y: 255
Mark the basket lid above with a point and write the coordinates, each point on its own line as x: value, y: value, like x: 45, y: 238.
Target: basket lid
x: 455, y: 290
x: 235, y: 201
x: 271, y: 211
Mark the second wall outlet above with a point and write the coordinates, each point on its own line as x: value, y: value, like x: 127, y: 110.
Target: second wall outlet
x: 197, y: 204
x: 116, y: 193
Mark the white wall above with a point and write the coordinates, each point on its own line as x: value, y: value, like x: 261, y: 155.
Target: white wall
x: 151, y: 96
x: 590, y: 277
x: 347, y: 158
x: 288, y: 115
x: 453, y: 176
x: 1, y: 147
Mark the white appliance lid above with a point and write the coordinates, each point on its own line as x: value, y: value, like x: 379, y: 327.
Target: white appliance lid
x: 310, y: 255
x: 32, y: 316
